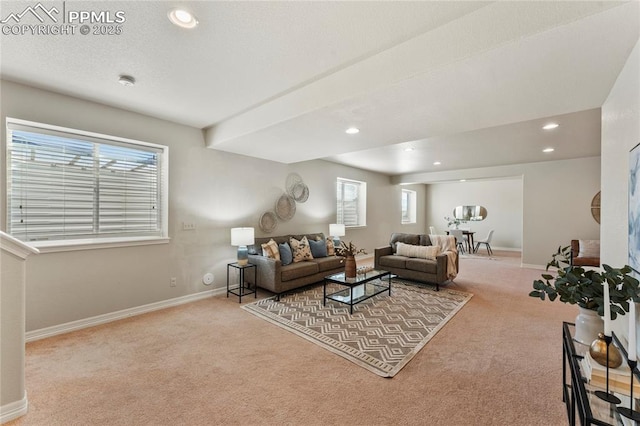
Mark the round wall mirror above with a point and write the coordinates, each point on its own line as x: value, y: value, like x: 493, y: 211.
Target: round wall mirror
x: 470, y: 213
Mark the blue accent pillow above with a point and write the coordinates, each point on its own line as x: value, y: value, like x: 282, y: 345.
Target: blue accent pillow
x: 286, y: 257
x: 318, y: 248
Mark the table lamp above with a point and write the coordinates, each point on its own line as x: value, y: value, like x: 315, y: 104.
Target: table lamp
x: 242, y: 237
x: 336, y: 230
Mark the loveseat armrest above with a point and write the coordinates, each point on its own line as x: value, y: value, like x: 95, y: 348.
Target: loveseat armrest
x: 379, y: 252
x: 267, y: 271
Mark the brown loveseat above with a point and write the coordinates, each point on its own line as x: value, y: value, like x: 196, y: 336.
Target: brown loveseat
x: 430, y: 271
x: 272, y: 275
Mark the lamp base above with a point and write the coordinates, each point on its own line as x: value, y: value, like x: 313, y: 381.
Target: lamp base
x: 243, y: 255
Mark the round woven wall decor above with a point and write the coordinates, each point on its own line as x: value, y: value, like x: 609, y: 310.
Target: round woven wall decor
x: 595, y: 207
x: 285, y: 207
x: 268, y: 222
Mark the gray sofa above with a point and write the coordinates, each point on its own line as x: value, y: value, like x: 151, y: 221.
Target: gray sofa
x: 273, y: 276
x: 425, y: 270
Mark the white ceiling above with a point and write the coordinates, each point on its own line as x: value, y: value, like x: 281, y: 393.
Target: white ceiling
x: 465, y: 83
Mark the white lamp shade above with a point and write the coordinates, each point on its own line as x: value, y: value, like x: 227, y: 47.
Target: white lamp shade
x: 242, y: 236
x: 336, y: 230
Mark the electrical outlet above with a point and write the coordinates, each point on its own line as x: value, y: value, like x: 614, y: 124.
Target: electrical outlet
x: 173, y: 282
x: 188, y: 226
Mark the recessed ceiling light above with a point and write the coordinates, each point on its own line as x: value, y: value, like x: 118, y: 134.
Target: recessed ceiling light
x: 436, y: 163
x: 548, y: 150
x: 463, y: 180
x: 408, y: 149
x: 550, y: 126
x: 352, y: 130
x: 126, y: 80
x: 182, y: 18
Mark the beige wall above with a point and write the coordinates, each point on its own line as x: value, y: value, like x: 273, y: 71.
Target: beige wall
x: 620, y: 133
x: 502, y: 198
x: 212, y: 189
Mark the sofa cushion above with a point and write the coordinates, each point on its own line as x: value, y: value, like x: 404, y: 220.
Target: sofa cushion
x: 394, y: 261
x: 270, y: 250
x: 298, y: 270
x: 425, y: 240
x: 286, y: 257
x: 423, y: 252
x: 328, y: 263
x: 300, y: 249
x: 422, y: 265
x: 318, y: 248
x: 404, y: 238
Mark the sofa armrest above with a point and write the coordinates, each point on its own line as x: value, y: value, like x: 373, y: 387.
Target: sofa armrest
x: 267, y: 271
x: 441, y: 261
x: 379, y: 252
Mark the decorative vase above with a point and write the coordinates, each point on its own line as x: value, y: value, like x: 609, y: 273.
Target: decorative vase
x: 598, y: 351
x: 350, y: 267
x: 588, y: 325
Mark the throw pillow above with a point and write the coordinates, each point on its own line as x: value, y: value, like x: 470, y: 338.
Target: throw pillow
x: 331, y: 249
x: 422, y: 252
x: 285, y: 254
x: 270, y: 249
x: 301, y: 250
x: 589, y: 248
x: 318, y: 248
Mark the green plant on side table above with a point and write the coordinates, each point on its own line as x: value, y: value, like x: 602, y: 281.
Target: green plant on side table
x: 584, y: 287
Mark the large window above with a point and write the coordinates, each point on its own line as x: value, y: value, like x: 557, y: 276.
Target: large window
x: 351, y: 196
x: 65, y: 184
x: 408, y: 203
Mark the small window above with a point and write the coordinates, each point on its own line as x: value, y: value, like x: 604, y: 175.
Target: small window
x: 65, y: 184
x: 351, y: 197
x: 408, y: 203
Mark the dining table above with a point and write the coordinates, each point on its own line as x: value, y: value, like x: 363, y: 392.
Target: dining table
x: 470, y: 244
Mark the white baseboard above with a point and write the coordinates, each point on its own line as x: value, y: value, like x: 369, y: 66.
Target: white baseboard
x: 13, y: 410
x: 114, y: 316
x: 532, y: 266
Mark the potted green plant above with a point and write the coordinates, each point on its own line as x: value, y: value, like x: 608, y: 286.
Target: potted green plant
x: 584, y: 287
x: 453, y: 221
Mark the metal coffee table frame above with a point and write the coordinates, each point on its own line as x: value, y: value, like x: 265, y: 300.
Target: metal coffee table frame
x: 346, y: 296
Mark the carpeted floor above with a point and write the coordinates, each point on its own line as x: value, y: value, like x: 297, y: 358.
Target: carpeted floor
x: 383, y: 333
x: 497, y: 362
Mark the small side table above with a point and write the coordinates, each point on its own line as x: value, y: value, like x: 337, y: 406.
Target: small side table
x: 243, y: 289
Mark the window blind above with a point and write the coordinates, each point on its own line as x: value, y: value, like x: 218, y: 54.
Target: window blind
x: 64, y: 186
x: 347, y: 195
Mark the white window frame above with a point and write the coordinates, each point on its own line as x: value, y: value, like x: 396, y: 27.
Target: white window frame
x: 358, y: 206
x: 94, y: 240
x: 408, y: 206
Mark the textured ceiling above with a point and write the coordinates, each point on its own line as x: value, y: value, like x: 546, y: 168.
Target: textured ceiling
x: 464, y: 83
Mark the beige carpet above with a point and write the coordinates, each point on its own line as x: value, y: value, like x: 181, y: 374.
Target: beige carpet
x: 497, y: 362
x: 384, y: 332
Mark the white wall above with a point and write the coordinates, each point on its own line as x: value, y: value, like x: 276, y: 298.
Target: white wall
x: 213, y: 189
x: 620, y: 133
x: 502, y: 198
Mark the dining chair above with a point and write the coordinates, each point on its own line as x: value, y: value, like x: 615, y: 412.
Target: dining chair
x: 459, y: 238
x: 486, y: 242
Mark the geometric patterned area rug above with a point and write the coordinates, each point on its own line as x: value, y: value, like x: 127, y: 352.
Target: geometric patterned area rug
x: 384, y: 332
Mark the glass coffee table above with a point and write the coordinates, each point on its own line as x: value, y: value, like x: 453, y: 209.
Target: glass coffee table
x: 358, y: 289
